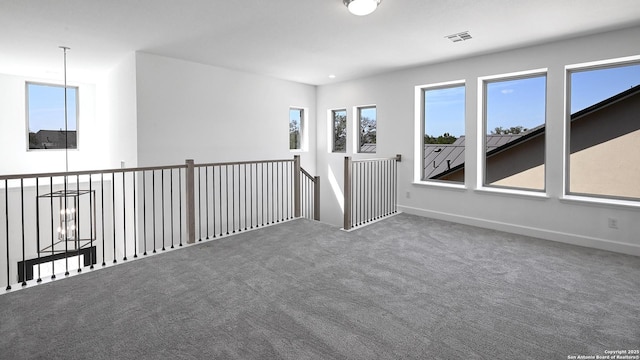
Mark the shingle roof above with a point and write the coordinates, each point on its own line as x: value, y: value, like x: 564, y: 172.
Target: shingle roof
x: 439, y: 158
x: 368, y: 148
x: 497, y: 140
x: 55, y: 139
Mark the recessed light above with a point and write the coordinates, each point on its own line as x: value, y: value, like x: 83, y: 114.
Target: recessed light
x: 332, y: 76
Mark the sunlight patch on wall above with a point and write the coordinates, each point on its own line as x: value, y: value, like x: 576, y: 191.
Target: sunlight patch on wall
x: 336, y: 188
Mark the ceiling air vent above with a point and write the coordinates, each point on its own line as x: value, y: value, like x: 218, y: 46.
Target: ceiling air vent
x: 459, y: 36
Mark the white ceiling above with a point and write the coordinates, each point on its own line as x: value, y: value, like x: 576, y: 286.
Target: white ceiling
x: 298, y: 40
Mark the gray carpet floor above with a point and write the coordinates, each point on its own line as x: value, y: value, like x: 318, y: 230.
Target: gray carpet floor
x: 403, y: 288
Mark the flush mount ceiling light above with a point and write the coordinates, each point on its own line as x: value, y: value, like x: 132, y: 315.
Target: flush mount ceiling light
x: 361, y: 7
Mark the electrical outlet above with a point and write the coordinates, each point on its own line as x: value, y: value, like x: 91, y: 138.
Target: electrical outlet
x: 613, y: 223
x: 408, y: 194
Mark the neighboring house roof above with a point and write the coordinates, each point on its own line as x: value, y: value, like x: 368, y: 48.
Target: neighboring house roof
x: 368, y: 148
x: 498, y: 143
x: 606, y: 102
x: 497, y: 140
x: 439, y: 158
x: 55, y: 139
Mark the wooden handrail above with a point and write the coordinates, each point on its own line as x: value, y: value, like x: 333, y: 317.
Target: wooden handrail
x: 244, y: 162
x: 89, y: 172
x: 120, y: 170
x: 306, y: 173
x: 397, y: 158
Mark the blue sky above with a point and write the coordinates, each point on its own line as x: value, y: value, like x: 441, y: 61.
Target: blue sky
x: 294, y: 114
x: 590, y: 87
x: 368, y: 113
x: 46, y: 107
x: 444, y: 111
x: 521, y: 102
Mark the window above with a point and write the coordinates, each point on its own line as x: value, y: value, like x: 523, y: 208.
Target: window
x: 339, y: 130
x: 367, y: 119
x: 604, y: 131
x: 514, y: 132
x: 46, y: 117
x: 443, y: 141
x: 296, y: 126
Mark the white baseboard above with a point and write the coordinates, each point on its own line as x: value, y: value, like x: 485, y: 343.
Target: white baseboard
x: 372, y: 222
x: 574, y: 239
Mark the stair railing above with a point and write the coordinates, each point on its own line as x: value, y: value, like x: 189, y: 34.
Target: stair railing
x: 370, y: 190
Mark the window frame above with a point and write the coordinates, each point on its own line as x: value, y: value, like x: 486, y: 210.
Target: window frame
x: 357, y: 112
x: 28, y: 113
x: 332, y: 130
x: 586, y: 198
x: 421, y: 127
x: 302, y: 126
x: 482, y: 134
x: 418, y: 140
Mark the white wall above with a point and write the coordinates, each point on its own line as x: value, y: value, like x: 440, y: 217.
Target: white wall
x: 548, y: 218
x: 116, y: 97
x: 193, y: 111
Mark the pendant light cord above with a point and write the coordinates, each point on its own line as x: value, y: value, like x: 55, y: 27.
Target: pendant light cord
x: 66, y: 125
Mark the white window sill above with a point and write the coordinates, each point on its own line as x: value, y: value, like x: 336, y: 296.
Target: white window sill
x: 53, y: 150
x: 596, y: 201
x: 441, y: 185
x: 513, y: 192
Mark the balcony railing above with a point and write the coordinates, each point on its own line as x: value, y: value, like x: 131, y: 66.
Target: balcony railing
x: 65, y: 222
x: 370, y: 190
